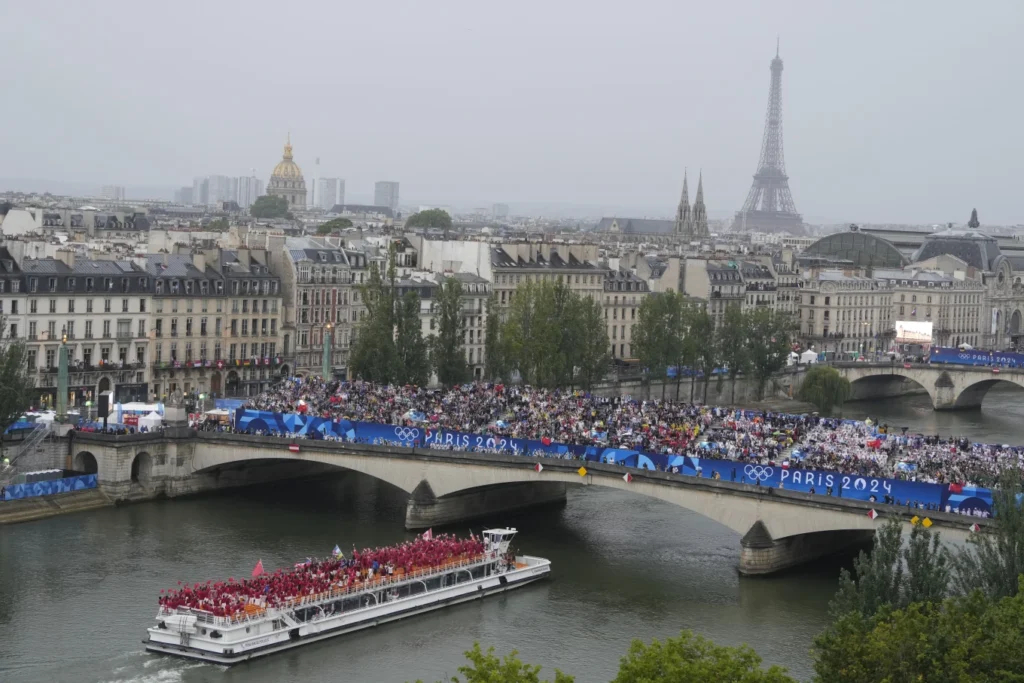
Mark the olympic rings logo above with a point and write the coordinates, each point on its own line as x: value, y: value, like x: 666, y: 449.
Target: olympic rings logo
x: 407, y: 433
x: 758, y: 472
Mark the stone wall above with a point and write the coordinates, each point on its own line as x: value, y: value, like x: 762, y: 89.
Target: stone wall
x: 720, y: 389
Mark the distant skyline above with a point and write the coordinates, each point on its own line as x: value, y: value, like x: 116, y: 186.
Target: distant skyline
x: 894, y: 113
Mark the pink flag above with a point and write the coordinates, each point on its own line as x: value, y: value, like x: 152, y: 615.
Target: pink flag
x: 258, y: 569
x: 428, y: 535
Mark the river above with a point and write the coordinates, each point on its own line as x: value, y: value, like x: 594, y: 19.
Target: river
x: 77, y: 592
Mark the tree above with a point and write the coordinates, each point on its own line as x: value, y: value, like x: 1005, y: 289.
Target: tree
x: 431, y: 218
x: 960, y: 640
x: 486, y: 667
x: 731, y: 339
x: 15, y: 384
x: 992, y: 561
x: 767, y: 344
x: 218, y: 225
x: 373, y: 346
x: 448, y: 352
x: 586, y: 342
x: 269, y: 206
x: 651, y: 343
x: 825, y: 388
x: 411, y: 354
x: 332, y: 226
x: 974, y: 223
x: 693, y: 659
x: 494, y: 353
x: 708, y: 354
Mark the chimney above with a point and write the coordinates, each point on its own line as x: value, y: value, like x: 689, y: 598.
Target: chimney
x: 199, y: 260
x: 243, y: 257
x: 67, y: 257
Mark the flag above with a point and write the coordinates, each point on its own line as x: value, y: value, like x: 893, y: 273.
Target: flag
x: 337, y: 552
x: 428, y: 535
x: 546, y: 440
x: 872, y: 514
x: 294, y: 448
x: 975, y: 528
x: 538, y: 467
x: 785, y: 464
x: 956, y: 488
x: 258, y: 569
x: 627, y: 477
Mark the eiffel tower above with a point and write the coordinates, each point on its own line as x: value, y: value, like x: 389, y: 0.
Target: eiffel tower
x: 769, y: 206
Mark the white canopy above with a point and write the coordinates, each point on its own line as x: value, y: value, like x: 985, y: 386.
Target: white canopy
x: 808, y: 357
x: 139, y: 407
x: 151, y: 421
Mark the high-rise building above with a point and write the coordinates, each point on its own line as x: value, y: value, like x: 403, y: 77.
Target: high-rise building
x: 221, y: 189
x: 385, y: 193
x: 499, y: 211
x: 327, y: 192
x: 200, y: 191
x: 183, y: 195
x: 249, y: 188
x: 114, y: 193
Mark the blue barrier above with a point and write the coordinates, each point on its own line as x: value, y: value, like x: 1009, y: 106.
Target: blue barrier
x: 48, y: 488
x: 954, y: 356
x: 789, y: 478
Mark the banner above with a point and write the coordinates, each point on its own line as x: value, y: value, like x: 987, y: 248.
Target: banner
x: 48, y: 488
x: 870, y: 489
x: 976, y: 357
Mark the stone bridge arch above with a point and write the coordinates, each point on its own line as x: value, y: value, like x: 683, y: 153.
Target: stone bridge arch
x: 85, y: 461
x: 972, y: 395
x: 890, y: 382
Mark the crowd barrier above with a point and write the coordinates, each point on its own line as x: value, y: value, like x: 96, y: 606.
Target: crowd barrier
x: 938, y: 496
x: 48, y: 488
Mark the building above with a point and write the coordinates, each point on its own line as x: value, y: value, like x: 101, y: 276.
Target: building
x: 100, y: 309
x: 624, y: 292
x: 689, y: 224
x: 845, y: 313
x: 329, y: 191
x: 287, y: 180
x: 221, y: 189
x: 114, y: 193
x: 200, y: 191
x: 719, y: 283
x: 183, y: 195
x: 249, y: 188
x: 320, y: 280
x: 499, y: 211
x: 760, y: 285
x: 385, y: 193
x: 574, y: 265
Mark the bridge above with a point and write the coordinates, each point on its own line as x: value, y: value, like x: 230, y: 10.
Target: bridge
x: 778, y: 528
x: 950, y: 387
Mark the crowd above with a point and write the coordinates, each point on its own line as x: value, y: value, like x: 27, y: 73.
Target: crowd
x: 233, y: 598
x: 652, y: 426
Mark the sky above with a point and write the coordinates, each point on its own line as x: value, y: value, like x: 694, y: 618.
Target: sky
x: 902, y: 112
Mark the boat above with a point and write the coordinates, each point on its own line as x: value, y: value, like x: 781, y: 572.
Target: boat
x: 256, y: 628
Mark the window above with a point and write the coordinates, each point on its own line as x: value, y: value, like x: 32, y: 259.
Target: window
x: 88, y: 329
x: 14, y: 307
x: 32, y: 306
x: 188, y: 327
x: 234, y: 328
x: 142, y: 329
x: 142, y: 305
x: 53, y: 284
x: 89, y: 286
x: 245, y: 327
x: 202, y: 326
x: 216, y: 327
x: 106, y: 329
x: 13, y: 330
x: 71, y: 305
x: 174, y: 327
x: 106, y: 305
x: 71, y: 329
x: 53, y: 305
x: 32, y: 330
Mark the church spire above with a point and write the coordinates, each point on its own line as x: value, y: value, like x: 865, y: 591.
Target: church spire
x: 700, y: 212
x: 684, y: 223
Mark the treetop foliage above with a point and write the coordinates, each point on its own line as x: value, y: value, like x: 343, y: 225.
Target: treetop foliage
x: 270, y: 206
x: 332, y: 226
x: 430, y: 218
x: 825, y: 388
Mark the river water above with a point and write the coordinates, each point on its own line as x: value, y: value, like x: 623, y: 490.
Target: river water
x: 77, y: 592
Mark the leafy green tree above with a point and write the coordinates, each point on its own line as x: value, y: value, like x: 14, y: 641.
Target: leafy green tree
x: 218, y: 225
x: 431, y: 218
x: 447, y: 350
x: 683, y: 344
x: 269, y: 206
x: 486, y: 667
x: 587, y: 342
x: 731, y: 339
x: 825, y: 388
x: 411, y: 351
x: 494, y: 352
x: 15, y: 383
x: 971, y: 639
x: 332, y: 226
x: 974, y: 223
x: 693, y: 659
x: 652, y: 338
x: 373, y: 348
x: 708, y: 353
x: 894, y: 576
x: 768, y: 337
x: 992, y: 561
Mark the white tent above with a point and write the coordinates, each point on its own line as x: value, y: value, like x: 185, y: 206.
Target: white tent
x: 151, y: 421
x: 808, y: 357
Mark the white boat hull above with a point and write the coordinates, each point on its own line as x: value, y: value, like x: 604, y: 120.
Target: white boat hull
x: 296, y: 634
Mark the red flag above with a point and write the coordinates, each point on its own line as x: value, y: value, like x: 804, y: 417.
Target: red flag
x: 428, y: 535
x: 956, y: 488
x: 258, y: 569
x: 627, y: 477
x: 294, y: 448
x: 546, y: 441
x: 975, y: 528
x: 538, y: 467
x: 872, y: 514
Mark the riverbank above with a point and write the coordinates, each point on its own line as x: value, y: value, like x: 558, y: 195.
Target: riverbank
x: 41, y: 507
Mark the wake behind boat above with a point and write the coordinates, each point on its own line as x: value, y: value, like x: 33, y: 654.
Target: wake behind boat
x: 229, y: 622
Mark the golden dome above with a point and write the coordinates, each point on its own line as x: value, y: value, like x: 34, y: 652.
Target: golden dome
x: 287, y: 168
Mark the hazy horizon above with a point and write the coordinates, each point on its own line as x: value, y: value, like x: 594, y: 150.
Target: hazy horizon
x: 893, y: 113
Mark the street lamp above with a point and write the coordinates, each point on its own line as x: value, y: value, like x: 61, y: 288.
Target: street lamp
x: 62, y: 376
x: 325, y: 370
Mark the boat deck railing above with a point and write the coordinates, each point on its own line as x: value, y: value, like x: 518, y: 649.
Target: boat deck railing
x: 255, y: 612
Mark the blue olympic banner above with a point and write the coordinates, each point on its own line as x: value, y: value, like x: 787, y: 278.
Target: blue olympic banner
x: 955, y: 356
x: 788, y: 478
x: 48, y: 488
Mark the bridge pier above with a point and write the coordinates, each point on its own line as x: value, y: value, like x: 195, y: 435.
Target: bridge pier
x: 760, y: 554
x: 425, y: 510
